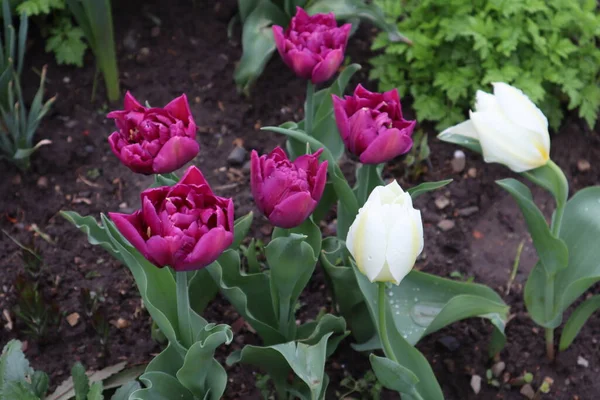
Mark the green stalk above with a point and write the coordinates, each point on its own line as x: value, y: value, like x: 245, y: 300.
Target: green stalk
x: 309, y: 111
x: 183, y: 309
x: 383, y: 334
x: 284, y: 316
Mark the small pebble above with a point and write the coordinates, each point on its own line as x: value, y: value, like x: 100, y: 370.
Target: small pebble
x: 123, y: 205
x: 583, y: 165
x: 71, y: 123
x: 582, y: 362
x: 446, y: 224
x: 143, y: 55
x: 472, y: 172
x: 90, y: 149
x: 442, y: 202
x: 66, y: 80
x: 476, y: 383
x: 468, y: 211
x: 42, y: 182
x: 73, y: 319
x: 237, y: 156
x: 459, y: 161
x: 528, y: 391
x: 449, y: 342
x: 122, y: 323
x: 246, y: 167
x: 498, y: 368
x: 450, y: 365
x: 130, y: 40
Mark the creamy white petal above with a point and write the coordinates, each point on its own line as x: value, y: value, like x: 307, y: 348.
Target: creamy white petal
x: 505, y: 142
x: 522, y: 111
x: 369, y: 241
x: 404, y: 243
x: 485, y: 102
x: 465, y: 128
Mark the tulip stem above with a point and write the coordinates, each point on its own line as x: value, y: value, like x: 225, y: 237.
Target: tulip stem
x: 183, y: 309
x: 309, y: 108
x: 383, y: 334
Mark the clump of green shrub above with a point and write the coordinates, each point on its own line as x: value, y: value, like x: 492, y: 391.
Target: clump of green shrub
x: 547, y: 49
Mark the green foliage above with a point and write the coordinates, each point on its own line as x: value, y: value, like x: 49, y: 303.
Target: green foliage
x: 37, y: 7
x: 547, y: 49
x: 65, y: 41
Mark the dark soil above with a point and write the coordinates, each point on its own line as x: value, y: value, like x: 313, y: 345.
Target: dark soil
x: 191, y: 54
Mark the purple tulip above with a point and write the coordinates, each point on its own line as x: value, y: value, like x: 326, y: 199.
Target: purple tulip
x: 287, y: 192
x: 185, y: 226
x: 312, y: 46
x: 154, y: 140
x: 372, y: 126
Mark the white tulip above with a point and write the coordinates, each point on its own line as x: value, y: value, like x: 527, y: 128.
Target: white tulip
x: 510, y: 128
x: 386, y: 237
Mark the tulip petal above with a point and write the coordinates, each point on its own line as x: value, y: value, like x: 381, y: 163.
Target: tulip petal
x: 405, y: 240
x: 320, y: 181
x: 174, y: 154
x: 328, y: 66
x: 389, y: 144
x: 279, y: 39
x: 341, y: 118
x: 150, y: 217
x: 366, y: 241
x: 509, y: 144
x: 293, y: 210
x: 129, y: 225
x: 179, y: 108
x: 131, y: 103
x: 522, y: 111
x: 161, y: 250
x: 193, y: 176
x: 465, y: 128
x: 207, y: 249
x: 486, y: 102
x: 301, y: 61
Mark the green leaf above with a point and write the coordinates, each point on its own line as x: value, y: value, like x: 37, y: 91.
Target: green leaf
x: 126, y: 376
x: 240, y: 229
x: 126, y: 390
x: 291, y: 262
x: 394, y: 376
x: 81, y: 382
x: 311, y: 332
x: 257, y: 42
x: 201, y: 374
x: 551, y: 250
x: 14, y: 367
x: 346, y: 294
x: 306, y: 361
x: 464, y: 141
x: 95, y: 392
x: 202, y: 289
x: 367, y: 178
x: 66, y: 42
x: 249, y: 293
x: 18, y: 390
x: 308, y: 228
x: 39, y: 383
x: 161, y: 386
x: 550, y: 179
x: 408, y: 356
x: 577, y: 320
x: 427, y: 187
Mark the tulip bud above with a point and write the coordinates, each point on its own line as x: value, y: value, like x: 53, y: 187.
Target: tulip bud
x: 185, y: 226
x: 372, y: 126
x: 312, y: 46
x: 386, y: 237
x: 287, y: 192
x: 154, y: 140
x: 509, y: 127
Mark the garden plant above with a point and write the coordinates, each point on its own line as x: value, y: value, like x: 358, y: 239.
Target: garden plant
x: 333, y: 210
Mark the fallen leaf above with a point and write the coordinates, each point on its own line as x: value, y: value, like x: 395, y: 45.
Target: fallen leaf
x: 73, y: 319
x: 9, y: 324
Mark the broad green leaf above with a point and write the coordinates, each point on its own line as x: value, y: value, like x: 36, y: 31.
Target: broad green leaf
x: 577, y: 320
x: 202, y: 289
x: 165, y: 180
x: 464, y: 141
x: 66, y: 389
x: 394, y: 376
x: 240, y: 229
x: 201, y: 374
x: 161, y: 386
x: 307, y: 362
x: 97, y: 234
x: 551, y: 250
x: 257, y: 42
x: 245, y: 7
x: 291, y: 262
x: 327, y: 201
x: 580, y: 230
x: 14, y: 367
x: 346, y: 294
x: 407, y: 355
x: 126, y: 390
x: 249, y: 293
x: 311, y: 332
x: 308, y: 228
x: 552, y: 179
x: 427, y: 187
x: 425, y: 303
x: 355, y: 9
x: 18, y: 390
x: 39, y: 383
x: 95, y: 392
x: 126, y: 376
x: 367, y: 178
x: 81, y: 382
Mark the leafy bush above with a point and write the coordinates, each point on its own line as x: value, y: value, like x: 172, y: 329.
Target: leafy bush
x: 64, y: 38
x: 547, y: 49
